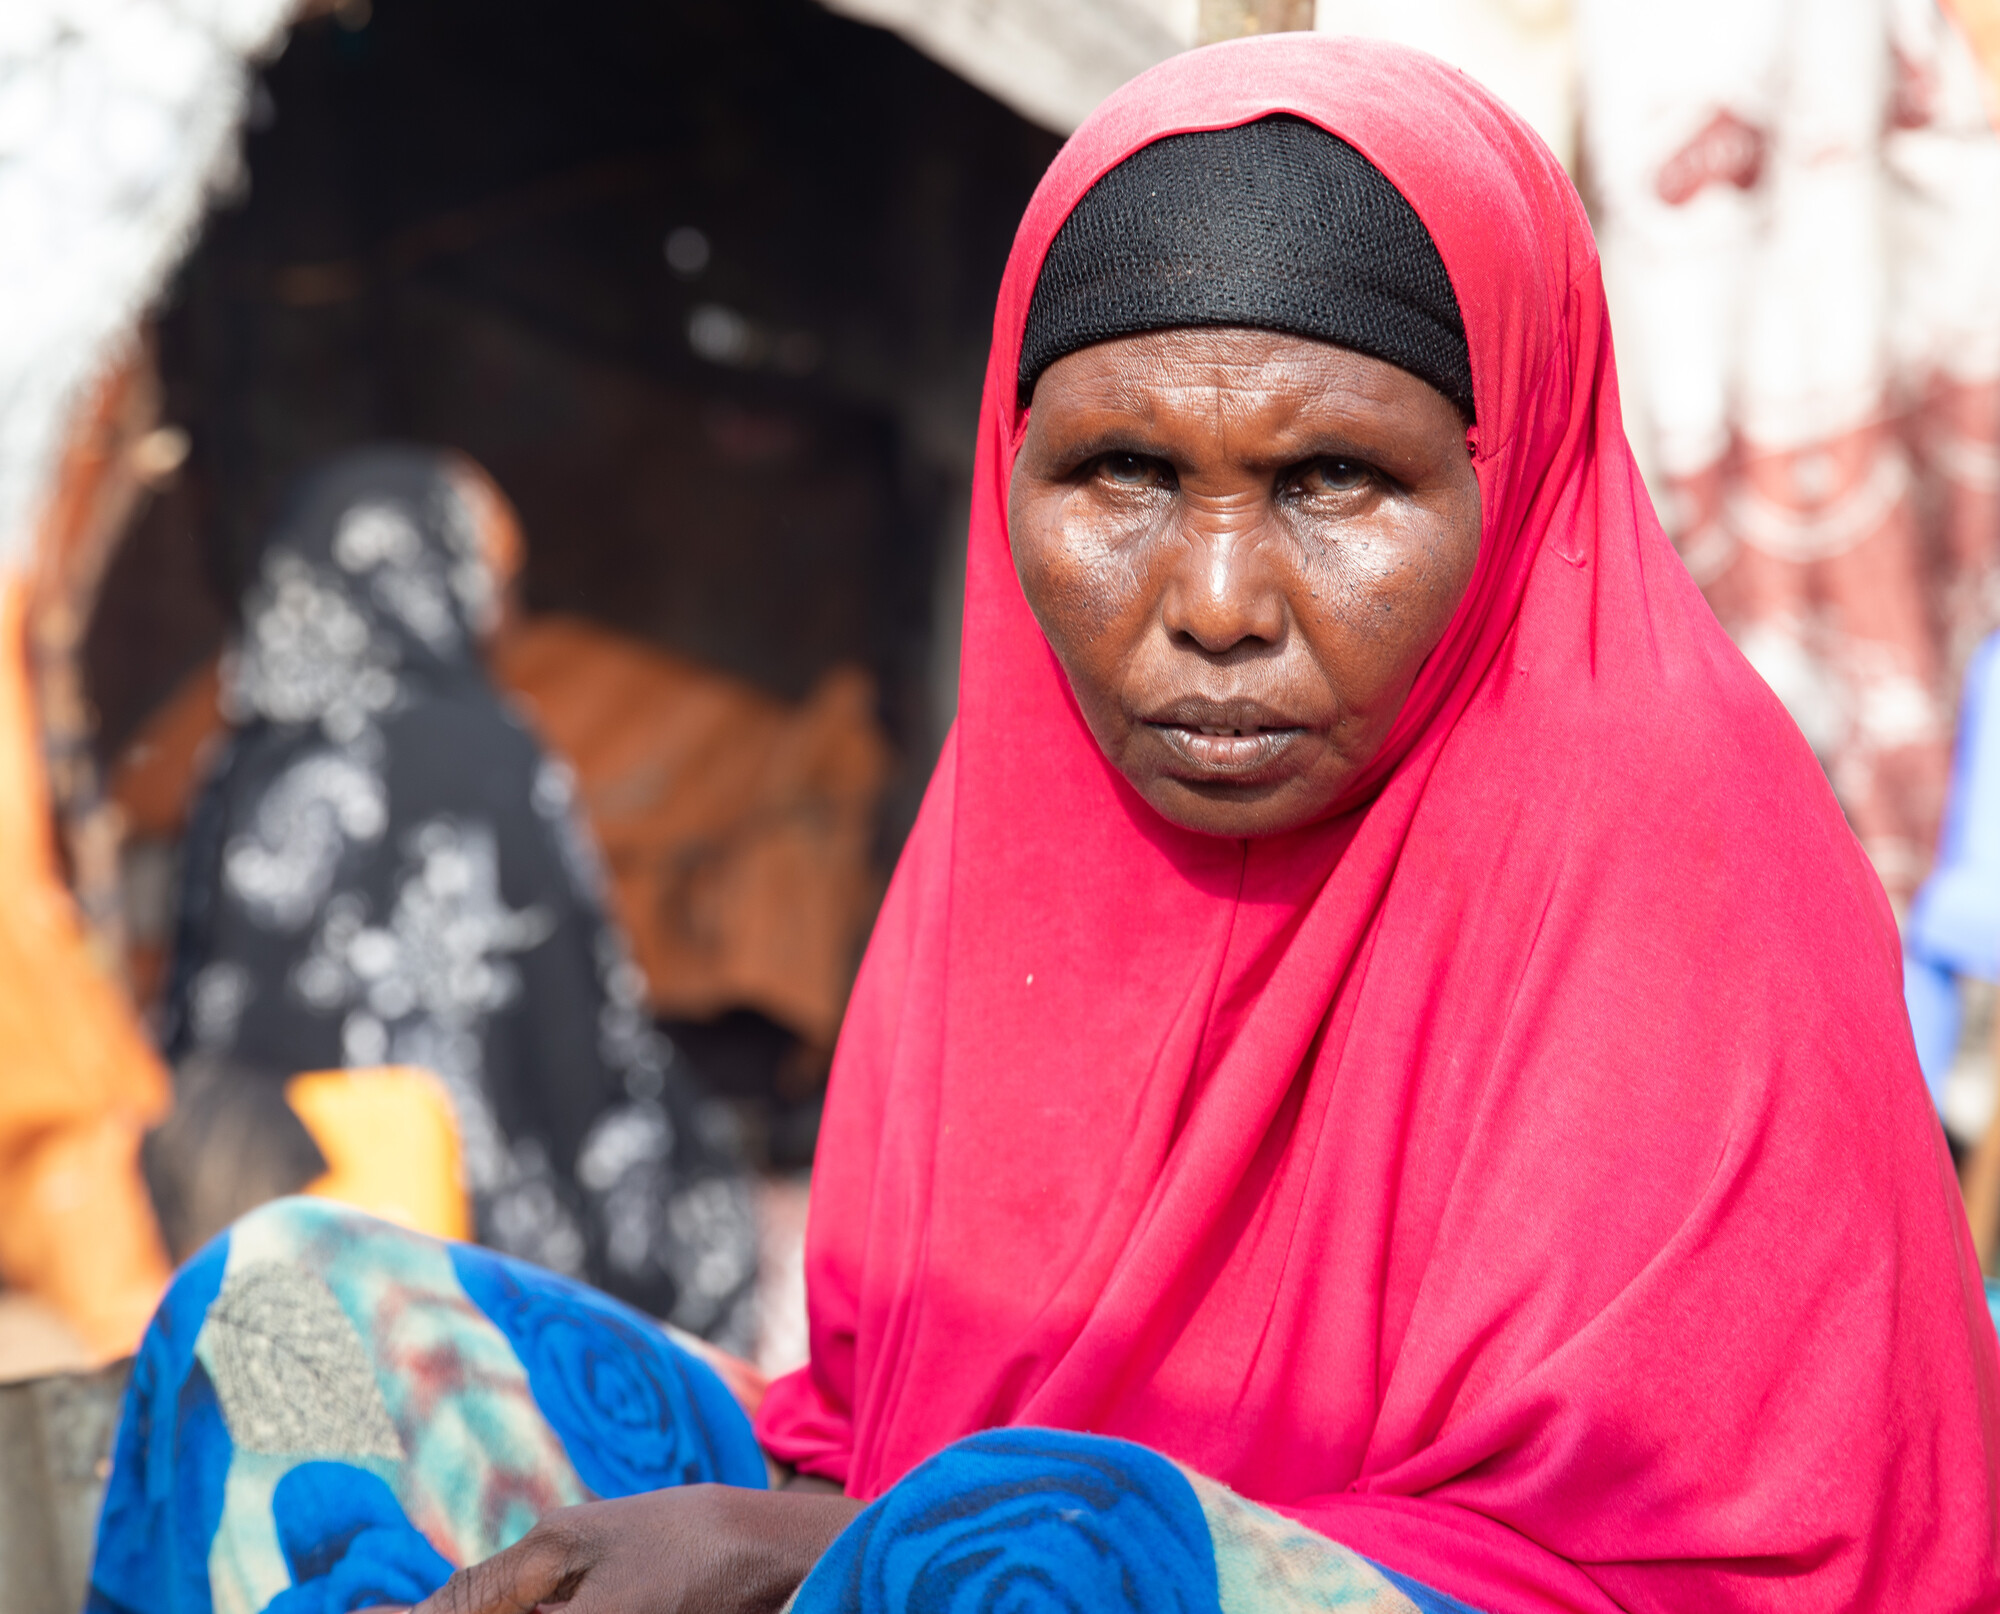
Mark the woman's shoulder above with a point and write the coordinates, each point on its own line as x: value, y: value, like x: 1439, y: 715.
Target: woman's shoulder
x: 456, y: 730
x: 1685, y: 806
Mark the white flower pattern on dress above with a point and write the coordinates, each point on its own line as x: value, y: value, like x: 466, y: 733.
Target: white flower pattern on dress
x: 308, y: 656
x: 406, y: 577
x: 217, y: 997
x: 419, y: 987
x: 626, y: 1160
x: 283, y: 866
x: 554, y: 800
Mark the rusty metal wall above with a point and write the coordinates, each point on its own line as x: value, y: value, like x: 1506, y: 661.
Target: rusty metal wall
x: 55, y: 1446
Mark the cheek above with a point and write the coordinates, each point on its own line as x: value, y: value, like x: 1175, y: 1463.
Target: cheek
x: 1379, y: 599
x: 1084, y: 579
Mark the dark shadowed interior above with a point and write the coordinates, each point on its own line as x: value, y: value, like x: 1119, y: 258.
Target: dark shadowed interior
x: 705, y: 286
x: 455, y: 226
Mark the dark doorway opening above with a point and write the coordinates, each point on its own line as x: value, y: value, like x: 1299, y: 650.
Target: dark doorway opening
x: 705, y: 287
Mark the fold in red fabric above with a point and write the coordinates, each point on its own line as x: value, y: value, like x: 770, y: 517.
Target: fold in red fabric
x: 1523, y: 1177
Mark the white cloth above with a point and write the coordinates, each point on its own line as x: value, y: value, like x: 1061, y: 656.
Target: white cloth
x: 1779, y: 303
x: 1798, y: 205
x: 118, y: 123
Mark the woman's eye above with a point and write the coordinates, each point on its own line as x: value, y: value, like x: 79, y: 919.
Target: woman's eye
x: 1133, y: 471
x: 1336, y: 476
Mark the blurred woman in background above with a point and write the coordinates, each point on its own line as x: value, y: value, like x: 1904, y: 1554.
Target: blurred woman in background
x: 384, y: 868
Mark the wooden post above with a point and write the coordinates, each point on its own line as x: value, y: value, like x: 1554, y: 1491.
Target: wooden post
x: 1232, y: 19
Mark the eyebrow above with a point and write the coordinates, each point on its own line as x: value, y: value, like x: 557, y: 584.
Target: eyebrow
x: 1144, y: 441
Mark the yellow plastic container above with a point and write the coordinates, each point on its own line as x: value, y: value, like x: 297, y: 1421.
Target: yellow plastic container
x: 391, y: 1145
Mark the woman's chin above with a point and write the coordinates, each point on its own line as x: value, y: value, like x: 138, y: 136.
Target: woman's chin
x: 1226, y: 808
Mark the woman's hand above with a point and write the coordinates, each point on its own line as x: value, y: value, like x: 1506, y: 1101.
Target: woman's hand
x: 700, y: 1549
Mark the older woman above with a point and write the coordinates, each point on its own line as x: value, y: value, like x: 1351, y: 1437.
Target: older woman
x: 1381, y: 1079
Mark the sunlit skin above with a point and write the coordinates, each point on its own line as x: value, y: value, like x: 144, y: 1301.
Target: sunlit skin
x: 1241, y: 546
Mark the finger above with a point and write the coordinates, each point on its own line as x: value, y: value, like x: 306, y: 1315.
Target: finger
x: 542, y: 1567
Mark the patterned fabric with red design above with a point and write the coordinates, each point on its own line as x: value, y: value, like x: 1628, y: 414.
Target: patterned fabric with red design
x: 1800, y: 215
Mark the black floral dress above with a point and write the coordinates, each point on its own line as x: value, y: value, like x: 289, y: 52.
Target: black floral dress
x: 385, y: 868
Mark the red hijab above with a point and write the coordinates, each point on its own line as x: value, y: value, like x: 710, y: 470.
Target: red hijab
x: 1523, y: 1177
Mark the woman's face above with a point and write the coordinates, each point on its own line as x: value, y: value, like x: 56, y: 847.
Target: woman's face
x: 1241, y: 546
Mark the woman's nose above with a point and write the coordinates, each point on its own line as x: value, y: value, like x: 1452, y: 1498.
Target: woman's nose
x: 1223, y: 591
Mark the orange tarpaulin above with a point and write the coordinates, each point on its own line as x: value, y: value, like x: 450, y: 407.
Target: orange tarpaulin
x: 81, y: 1083
x: 736, y: 829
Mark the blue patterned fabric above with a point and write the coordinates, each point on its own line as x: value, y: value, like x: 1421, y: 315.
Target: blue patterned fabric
x: 1026, y: 1519
x: 168, y: 1461
x: 348, y: 1543
x: 1033, y: 1520
x: 330, y: 1414
x: 634, y: 1411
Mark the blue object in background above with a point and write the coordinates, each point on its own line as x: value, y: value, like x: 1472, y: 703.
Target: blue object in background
x: 1954, y: 925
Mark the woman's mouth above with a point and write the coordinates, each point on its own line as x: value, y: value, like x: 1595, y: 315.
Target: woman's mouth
x: 1221, y: 741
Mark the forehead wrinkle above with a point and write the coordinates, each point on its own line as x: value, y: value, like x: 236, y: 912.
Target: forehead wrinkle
x: 1169, y: 399
x: 1262, y: 399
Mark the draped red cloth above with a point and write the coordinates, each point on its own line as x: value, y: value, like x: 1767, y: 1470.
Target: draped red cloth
x: 1523, y: 1177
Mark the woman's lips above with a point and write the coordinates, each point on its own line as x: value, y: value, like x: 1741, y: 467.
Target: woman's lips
x: 1238, y: 741
x: 1218, y: 751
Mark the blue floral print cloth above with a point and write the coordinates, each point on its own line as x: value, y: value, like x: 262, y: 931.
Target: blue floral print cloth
x: 330, y: 1414
x: 1041, y: 1519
